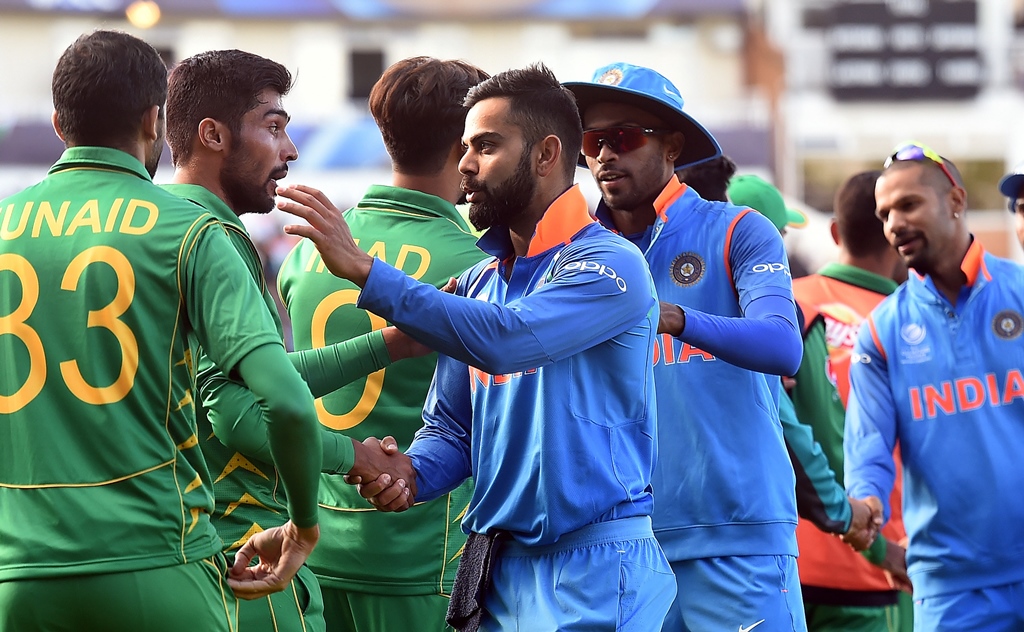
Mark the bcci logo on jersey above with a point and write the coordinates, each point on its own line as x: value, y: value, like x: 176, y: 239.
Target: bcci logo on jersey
x: 687, y: 269
x: 1008, y: 324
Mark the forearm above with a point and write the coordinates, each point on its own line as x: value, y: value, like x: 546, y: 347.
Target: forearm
x: 326, y: 369
x: 520, y: 335
x: 292, y: 427
x: 441, y: 464
x: 768, y: 344
x: 819, y: 497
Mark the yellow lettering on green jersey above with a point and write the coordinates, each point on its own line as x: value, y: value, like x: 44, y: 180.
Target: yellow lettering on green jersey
x: 377, y: 250
x: 88, y: 215
x: 55, y: 224
x: 5, y: 230
x: 129, y: 214
x: 14, y: 324
x: 108, y: 318
x: 374, y: 382
x: 422, y: 253
x: 115, y: 208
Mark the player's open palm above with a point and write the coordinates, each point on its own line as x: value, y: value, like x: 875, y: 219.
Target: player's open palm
x: 281, y: 552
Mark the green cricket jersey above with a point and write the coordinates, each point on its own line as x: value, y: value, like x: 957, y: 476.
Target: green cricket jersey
x: 103, y: 278
x: 248, y: 495
x: 360, y: 549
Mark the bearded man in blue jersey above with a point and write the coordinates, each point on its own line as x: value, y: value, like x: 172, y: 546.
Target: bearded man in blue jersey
x: 939, y: 369
x: 544, y: 392
x: 726, y: 507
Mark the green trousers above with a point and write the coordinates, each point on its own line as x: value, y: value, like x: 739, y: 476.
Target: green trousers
x: 298, y: 608
x: 895, y: 618
x: 188, y: 597
x: 347, y: 611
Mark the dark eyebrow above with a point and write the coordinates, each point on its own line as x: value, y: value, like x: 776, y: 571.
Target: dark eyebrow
x: 483, y: 136
x: 277, y: 112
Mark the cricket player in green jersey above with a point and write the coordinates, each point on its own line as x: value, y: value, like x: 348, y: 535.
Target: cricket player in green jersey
x: 227, y: 131
x: 381, y: 572
x: 105, y: 499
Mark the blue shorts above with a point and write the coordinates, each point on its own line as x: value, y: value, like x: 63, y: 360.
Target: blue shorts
x: 994, y: 609
x: 760, y: 593
x: 606, y: 576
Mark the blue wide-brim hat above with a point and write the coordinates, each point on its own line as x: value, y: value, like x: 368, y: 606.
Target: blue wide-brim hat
x: 646, y: 89
x: 1012, y: 185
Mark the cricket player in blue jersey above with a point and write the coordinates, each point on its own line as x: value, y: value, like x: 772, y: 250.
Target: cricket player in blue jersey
x: 726, y: 505
x: 938, y: 368
x: 545, y: 391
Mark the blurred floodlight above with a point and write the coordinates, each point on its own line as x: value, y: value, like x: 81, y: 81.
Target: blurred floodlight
x: 143, y: 14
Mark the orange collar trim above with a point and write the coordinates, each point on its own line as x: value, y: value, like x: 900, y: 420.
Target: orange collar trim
x: 974, y: 261
x: 673, y: 189
x: 566, y: 216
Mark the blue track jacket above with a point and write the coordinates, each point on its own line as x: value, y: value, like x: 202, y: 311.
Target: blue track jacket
x: 545, y: 391
x: 724, y: 484
x: 946, y: 382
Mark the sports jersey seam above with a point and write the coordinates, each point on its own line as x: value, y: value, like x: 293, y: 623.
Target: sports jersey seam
x: 205, y: 217
x: 262, y: 280
x: 99, y: 484
x: 298, y: 606
x: 727, y: 250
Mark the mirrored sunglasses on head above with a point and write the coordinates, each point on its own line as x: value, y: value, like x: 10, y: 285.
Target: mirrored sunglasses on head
x: 917, y: 152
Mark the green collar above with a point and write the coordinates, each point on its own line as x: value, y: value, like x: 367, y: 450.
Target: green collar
x: 206, y: 199
x: 99, y: 158
x: 389, y: 198
x: 859, y: 277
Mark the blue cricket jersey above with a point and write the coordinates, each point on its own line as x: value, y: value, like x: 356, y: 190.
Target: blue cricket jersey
x: 545, y: 391
x: 946, y: 382
x: 724, y: 484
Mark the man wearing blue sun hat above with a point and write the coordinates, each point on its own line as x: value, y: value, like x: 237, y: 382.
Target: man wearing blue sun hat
x: 725, y: 506
x: 1012, y: 186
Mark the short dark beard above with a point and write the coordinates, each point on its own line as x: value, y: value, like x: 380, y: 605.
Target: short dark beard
x: 244, y: 195
x: 506, y: 201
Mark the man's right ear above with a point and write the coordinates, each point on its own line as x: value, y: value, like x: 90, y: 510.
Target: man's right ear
x: 834, y: 227
x: 214, y: 135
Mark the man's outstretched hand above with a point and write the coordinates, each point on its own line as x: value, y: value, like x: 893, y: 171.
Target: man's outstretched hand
x: 327, y: 229
x: 281, y: 551
x: 866, y: 523
x: 383, y: 475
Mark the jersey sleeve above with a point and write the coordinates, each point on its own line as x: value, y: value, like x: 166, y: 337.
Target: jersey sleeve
x: 819, y: 497
x: 757, y: 259
x: 441, y: 449
x: 537, y: 329
x: 240, y: 423
x: 223, y: 302
x: 234, y: 327
x: 765, y: 339
x: 870, y: 434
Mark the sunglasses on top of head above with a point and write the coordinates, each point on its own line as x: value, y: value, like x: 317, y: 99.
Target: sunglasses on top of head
x: 619, y: 139
x: 917, y: 152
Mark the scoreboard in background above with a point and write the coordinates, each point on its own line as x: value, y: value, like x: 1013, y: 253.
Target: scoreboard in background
x: 885, y: 50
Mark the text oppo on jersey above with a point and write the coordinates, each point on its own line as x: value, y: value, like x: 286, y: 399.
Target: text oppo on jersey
x: 770, y: 267
x: 600, y: 268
